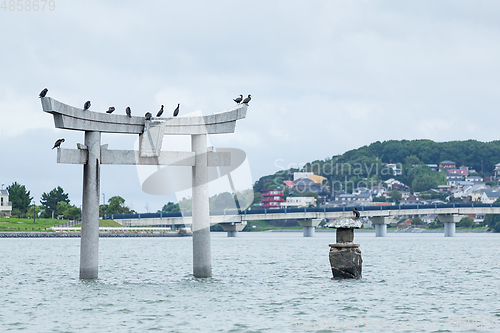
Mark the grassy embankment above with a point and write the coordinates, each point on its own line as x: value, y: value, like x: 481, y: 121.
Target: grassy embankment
x: 104, y: 223
x: 17, y: 224
x: 41, y: 225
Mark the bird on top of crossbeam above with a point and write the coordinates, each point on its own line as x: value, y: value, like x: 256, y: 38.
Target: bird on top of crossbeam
x: 356, y: 213
x: 111, y: 109
x: 43, y: 92
x: 128, y: 112
x: 176, y: 111
x: 238, y: 99
x: 148, y: 115
x: 86, y: 106
x: 247, y: 100
x: 160, y: 112
x: 58, y: 143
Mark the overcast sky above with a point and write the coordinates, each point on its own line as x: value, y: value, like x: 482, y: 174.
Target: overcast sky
x: 325, y: 77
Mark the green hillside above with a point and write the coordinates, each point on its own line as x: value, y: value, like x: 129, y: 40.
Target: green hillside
x: 365, y: 166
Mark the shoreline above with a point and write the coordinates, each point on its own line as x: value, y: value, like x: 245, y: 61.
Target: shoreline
x: 78, y: 235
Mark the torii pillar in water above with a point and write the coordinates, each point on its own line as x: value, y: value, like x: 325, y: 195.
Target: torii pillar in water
x: 92, y: 154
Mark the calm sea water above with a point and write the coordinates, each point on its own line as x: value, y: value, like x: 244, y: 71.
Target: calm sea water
x: 263, y: 282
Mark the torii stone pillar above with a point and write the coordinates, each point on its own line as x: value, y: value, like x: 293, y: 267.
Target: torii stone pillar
x: 89, y: 248
x: 92, y: 155
x: 202, y: 257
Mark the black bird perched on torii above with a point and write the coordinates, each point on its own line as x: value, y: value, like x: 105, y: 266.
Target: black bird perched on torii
x: 160, y: 112
x: 58, y: 143
x: 111, y: 109
x: 355, y: 211
x: 148, y: 115
x: 43, y: 93
x: 238, y: 99
x: 247, y: 100
x: 86, y: 106
x: 176, y: 111
x: 128, y: 112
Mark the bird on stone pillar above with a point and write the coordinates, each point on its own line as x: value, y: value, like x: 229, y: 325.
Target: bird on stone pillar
x: 128, y: 112
x: 355, y: 211
x: 148, y: 115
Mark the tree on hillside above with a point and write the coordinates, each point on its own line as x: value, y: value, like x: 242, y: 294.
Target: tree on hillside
x: 170, y: 207
x: 49, y: 201
x: 222, y: 201
x: 116, y: 205
x: 72, y: 213
x: 19, y: 197
x: 29, y: 212
x: 416, y: 221
x: 466, y: 222
x: 396, y: 196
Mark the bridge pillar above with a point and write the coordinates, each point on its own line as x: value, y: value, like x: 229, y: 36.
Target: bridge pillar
x: 233, y: 228
x: 89, y: 248
x: 202, y: 256
x: 309, y: 226
x: 380, y: 223
x: 449, y: 223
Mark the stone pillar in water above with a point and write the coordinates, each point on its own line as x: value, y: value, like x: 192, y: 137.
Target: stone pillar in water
x: 345, y: 257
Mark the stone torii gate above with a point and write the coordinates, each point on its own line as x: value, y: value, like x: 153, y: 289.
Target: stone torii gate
x: 92, y: 154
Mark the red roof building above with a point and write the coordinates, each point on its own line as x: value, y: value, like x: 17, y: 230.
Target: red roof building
x: 272, y: 199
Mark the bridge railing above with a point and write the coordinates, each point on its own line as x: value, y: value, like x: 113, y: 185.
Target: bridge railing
x: 303, y: 210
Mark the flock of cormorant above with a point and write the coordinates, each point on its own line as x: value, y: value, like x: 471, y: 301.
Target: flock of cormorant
x: 111, y: 109
x: 128, y: 111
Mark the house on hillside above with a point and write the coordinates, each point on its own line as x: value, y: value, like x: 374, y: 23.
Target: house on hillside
x: 490, y: 195
x: 393, y: 184
x: 454, y: 179
x: 303, y: 185
x: 444, y: 188
x: 474, y: 179
x: 300, y: 175
x: 5, y: 204
x: 396, y: 170
x: 446, y: 165
x: 434, y: 167
x: 412, y: 200
x: 429, y: 218
x: 359, y: 190
x: 496, y: 172
x: 462, y: 172
x: 299, y: 202
x: 378, y: 191
x: 272, y: 199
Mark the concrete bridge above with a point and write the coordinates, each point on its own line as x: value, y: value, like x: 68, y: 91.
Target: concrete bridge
x: 309, y: 218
